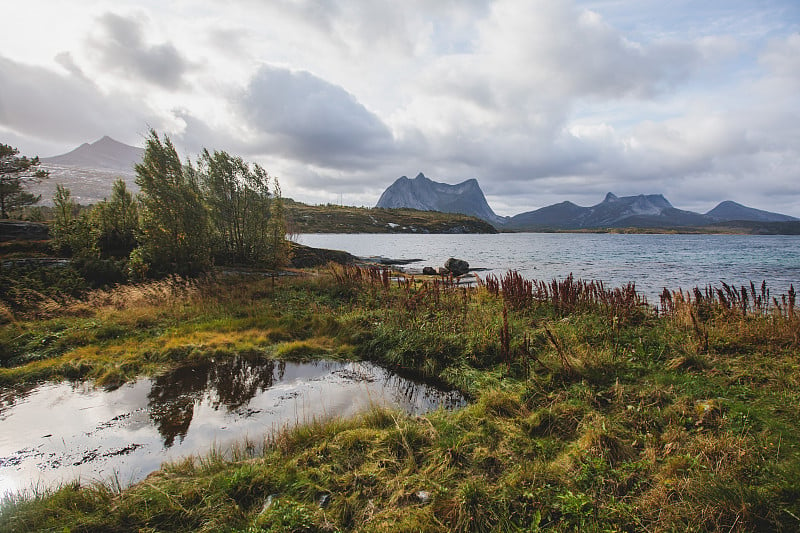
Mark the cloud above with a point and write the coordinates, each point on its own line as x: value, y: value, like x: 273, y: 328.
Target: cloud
x: 38, y: 102
x: 541, y: 100
x: 66, y: 60
x: 781, y: 58
x: 502, y: 106
x: 576, y: 53
x: 119, y: 46
x: 299, y: 115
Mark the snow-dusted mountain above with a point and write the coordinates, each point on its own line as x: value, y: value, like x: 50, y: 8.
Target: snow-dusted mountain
x: 90, y: 170
x: 652, y: 210
x: 427, y: 195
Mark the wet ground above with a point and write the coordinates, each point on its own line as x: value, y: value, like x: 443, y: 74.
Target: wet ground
x: 58, y: 432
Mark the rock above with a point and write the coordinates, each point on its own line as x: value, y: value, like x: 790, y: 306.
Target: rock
x: 324, y: 501
x: 458, y: 267
x: 396, y: 262
x: 443, y: 271
x: 429, y: 271
x: 307, y: 257
x: 17, y: 230
x: 268, y: 502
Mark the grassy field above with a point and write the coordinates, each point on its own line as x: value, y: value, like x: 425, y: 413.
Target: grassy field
x: 589, y: 411
x: 303, y: 218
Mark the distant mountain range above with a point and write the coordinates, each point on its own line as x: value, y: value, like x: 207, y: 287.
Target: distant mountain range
x: 642, y: 211
x: 90, y: 170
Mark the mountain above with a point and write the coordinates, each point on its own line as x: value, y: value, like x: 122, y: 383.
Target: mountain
x: 728, y: 211
x: 427, y: 195
x: 552, y: 216
x: 89, y: 171
x: 651, y: 210
x: 106, y: 154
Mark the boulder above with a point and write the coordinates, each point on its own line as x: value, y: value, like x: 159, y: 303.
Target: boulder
x: 307, y: 257
x: 324, y: 501
x: 18, y: 230
x: 457, y: 267
x: 429, y: 271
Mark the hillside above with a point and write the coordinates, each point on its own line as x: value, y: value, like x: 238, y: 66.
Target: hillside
x: 329, y: 218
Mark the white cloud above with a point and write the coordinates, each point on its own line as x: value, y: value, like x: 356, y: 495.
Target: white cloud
x: 541, y: 100
x: 119, y: 45
x: 299, y: 115
x: 40, y: 103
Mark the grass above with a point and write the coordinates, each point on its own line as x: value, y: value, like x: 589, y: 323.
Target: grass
x: 590, y: 410
x: 332, y: 218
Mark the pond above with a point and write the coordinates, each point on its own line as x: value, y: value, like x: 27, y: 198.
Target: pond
x: 59, y: 432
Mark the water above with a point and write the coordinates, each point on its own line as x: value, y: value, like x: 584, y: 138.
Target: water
x: 653, y: 262
x: 59, y: 432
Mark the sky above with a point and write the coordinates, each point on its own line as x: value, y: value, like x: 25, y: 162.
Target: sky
x: 541, y: 100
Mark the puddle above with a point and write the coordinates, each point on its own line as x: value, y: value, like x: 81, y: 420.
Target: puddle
x: 59, y: 432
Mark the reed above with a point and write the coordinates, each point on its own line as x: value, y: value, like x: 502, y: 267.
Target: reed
x: 589, y: 411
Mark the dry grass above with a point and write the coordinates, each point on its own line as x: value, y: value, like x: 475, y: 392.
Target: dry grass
x: 681, y: 420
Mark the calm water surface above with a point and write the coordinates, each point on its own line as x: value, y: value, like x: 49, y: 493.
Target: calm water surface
x: 651, y: 261
x: 59, y: 432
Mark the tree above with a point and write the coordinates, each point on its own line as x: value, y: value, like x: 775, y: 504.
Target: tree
x: 73, y: 232
x: 15, y: 173
x: 173, y: 221
x: 117, y: 221
x: 237, y: 196
x: 276, y: 231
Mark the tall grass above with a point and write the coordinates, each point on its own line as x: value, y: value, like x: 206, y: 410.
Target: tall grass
x: 568, y: 295
x: 591, y: 410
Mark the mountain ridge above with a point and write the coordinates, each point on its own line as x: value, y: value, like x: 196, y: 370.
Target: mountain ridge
x: 90, y: 169
x: 643, y: 210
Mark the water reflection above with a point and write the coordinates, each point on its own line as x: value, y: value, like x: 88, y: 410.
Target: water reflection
x: 57, y: 432
x: 229, y: 383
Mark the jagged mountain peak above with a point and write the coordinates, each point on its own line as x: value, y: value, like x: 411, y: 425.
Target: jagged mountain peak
x: 610, y: 197
x: 427, y: 195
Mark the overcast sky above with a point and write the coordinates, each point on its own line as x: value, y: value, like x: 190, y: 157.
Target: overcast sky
x: 541, y: 101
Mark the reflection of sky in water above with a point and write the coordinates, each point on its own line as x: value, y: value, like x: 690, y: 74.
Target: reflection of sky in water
x: 60, y: 432
x: 651, y: 261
